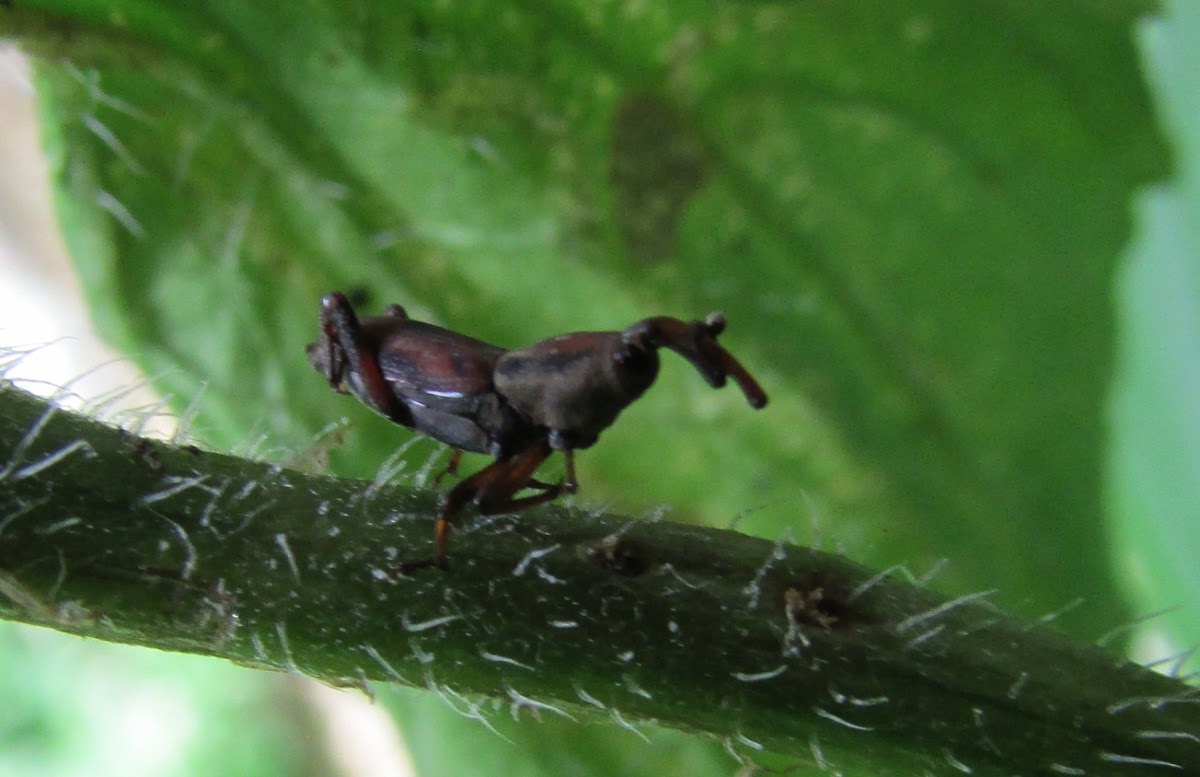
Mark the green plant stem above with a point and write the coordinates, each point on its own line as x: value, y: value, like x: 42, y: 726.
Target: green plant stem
x: 109, y: 535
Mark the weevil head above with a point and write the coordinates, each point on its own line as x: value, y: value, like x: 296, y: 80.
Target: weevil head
x: 696, y: 341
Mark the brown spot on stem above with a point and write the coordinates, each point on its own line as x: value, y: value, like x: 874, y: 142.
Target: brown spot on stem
x: 616, y: 555
x: 144, y: 450
x: 809, y: 607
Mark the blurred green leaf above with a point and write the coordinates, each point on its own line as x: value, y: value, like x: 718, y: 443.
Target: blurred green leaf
x: 548, y: 745
x: 909, y: 211
x: 86, y: 707
x: 1155, y: 461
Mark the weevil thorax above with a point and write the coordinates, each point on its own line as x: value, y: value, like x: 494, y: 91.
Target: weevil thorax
x: 576, y: 384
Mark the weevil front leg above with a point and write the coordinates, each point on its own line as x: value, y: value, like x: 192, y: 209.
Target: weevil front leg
x: 491, y: 489
x: 558, y: 441
x: 497, y: 499
x: 456, y: 455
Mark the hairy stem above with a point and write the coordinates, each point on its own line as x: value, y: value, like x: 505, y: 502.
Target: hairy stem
x: 106, y: 534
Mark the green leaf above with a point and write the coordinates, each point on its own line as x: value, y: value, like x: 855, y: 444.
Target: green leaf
x: 529, y: 743
x: 909, y: 211
x: 1154, y: 461
x: 139, y: 712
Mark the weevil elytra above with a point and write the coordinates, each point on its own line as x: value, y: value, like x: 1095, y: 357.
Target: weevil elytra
x: 516, y: 406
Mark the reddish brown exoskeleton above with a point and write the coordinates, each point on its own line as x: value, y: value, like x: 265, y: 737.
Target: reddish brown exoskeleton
x: 516, y: 406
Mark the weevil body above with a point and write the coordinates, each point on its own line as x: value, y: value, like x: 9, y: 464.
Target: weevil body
x: 516, y: 406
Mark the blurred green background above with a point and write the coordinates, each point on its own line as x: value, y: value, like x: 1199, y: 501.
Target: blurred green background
x: 952, y: 241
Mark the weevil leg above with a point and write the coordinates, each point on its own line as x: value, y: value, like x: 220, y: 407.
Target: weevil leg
x: 348, y: 354
x: 498, y: 499
x: 570, y: 485
x: 491, y: 490
x: 451, y: 469
x: 514, y: 505
x: 559, y: 441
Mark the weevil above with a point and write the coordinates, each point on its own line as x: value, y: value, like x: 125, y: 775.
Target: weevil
x: 516, y: 406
